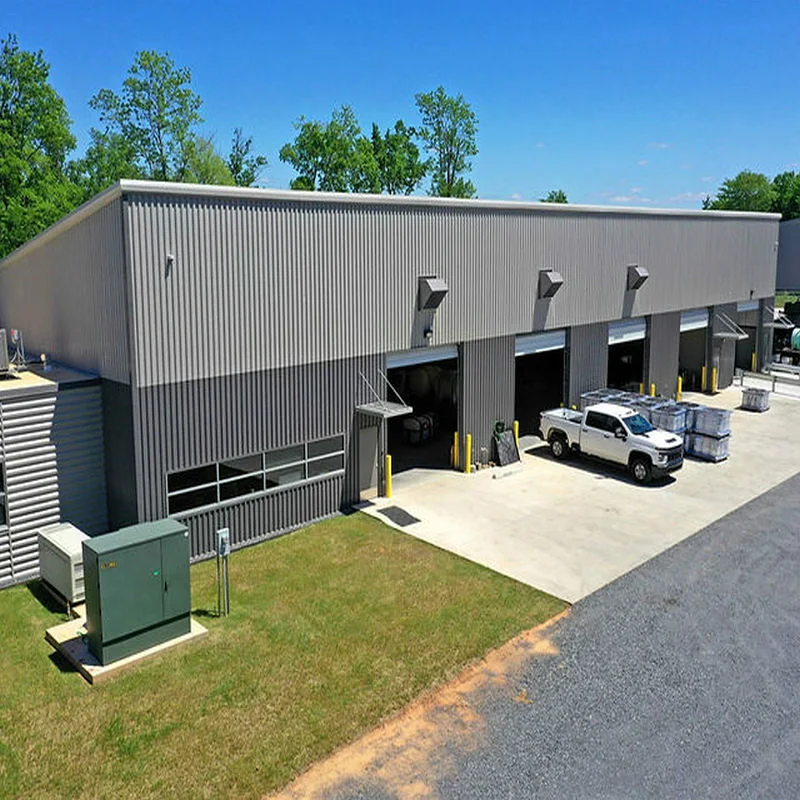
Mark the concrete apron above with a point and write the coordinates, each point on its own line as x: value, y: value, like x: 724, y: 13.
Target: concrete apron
x: 571, y: 528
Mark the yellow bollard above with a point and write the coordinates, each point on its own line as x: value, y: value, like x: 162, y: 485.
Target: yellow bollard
x: 388, y: 475
x: 679, y: 393
x: 753, y: 363
x: 713, y: 380
x: 641, y: 388
x: 468, y: 454
x: 652, y: 390
x: 703, y: 378
x: 516, y: 432
x: 455, y: 450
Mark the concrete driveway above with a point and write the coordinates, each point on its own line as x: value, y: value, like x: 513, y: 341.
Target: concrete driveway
x: 571, y: 528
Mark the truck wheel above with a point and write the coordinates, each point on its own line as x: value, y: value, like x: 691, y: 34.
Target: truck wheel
x: 559, y: 447
x: 641, y: 469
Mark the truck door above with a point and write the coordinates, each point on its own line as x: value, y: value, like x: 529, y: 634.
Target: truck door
x: 596, y: 436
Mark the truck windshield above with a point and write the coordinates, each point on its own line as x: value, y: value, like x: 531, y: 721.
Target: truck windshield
x: 638, y: 424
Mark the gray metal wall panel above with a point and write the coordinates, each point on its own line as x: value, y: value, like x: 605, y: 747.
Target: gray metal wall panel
x: 262, y: 284
x: 663, y: 346
x: 185, y: 425
x: 486, y: 395
x: 722, y: 351
x: 765, y: 332
x: 587, y: 356
x: 31, y: 481
x: 67, y: 296
x: 78, y: 437
x: 120, y: 458
x: 789, y: 256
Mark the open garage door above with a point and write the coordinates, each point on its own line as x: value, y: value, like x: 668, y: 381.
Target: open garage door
x: 626, y: 348
x: 539, y: 381
x: 747, y: 314
x: 692, y: 352
x: 427, y: 380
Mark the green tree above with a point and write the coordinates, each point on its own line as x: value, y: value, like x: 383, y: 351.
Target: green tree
x: 157, y: 112
x: 448, y: 131
x: 555, y: 196
x: 110, y: 157
x: 748, y: 191
x: 400, y: 168
x: 786, y: 192
x: 205, y: 165
x: 244, y: 165
x: 35, y: 139
x: 332, y: 156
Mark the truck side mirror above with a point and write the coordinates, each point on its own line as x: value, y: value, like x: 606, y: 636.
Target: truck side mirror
x: 619, y: 433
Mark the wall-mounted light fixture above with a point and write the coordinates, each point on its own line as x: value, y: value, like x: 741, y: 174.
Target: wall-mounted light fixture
x: 170, y: 265
x: 550, y: 282
x: 636, y: 276
x: 430, y: 293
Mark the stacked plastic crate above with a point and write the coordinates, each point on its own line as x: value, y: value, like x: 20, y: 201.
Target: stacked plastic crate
x: 710, y: 436
x: 755, y: 399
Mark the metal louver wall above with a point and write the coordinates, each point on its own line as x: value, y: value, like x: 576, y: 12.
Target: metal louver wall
x: 31, y: 481
x: 588, y: 359
x: 663, y: 350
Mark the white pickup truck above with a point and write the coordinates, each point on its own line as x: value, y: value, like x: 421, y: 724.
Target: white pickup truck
x: 613, y: 433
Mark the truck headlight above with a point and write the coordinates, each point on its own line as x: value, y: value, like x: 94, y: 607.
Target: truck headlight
x: 662, y: 458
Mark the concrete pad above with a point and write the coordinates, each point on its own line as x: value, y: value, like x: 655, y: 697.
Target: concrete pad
x: 68, y: 639
x: 570, y: 528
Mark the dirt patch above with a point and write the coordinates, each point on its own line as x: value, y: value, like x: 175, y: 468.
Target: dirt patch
x: 405, y: 755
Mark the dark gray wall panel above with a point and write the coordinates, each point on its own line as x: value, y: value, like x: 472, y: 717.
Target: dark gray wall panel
x: 663, y: 345
x: 765, y: 332
x: 120, y: 458
x: 587, y: 356
x: 789, y: 256
x: 486, y: 373
x: 66, y: 293
x: 722, y: 350
x: 262, y: 281
x: 185, y: 425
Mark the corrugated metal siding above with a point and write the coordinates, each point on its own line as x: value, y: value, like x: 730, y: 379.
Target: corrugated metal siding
x: 486, y: 373
x: 765, y: 332
x: 789, y: 256
x: 723, y: 351
x: 255, y: 520
x: 587, y: 356
x: 663, y: 347
x: 68, y: 296
x: 185, y: 425
x: 32, y: 481
x: 120, y: 459
x: 78, y: 437
x: 262, y: 284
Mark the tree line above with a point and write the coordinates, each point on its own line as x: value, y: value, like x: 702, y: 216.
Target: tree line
x: 754, y: 191
x: 150, y: 129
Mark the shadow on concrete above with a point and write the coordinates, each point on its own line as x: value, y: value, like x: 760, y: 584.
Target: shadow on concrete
x: 600, y: 469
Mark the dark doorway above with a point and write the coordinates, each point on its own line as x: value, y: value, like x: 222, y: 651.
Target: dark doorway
x: 424, y: 438
x: 626, y: 365
x: 691, y: 358
x: 539, y: 386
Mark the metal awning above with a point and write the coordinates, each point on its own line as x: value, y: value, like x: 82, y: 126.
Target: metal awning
x: 421, y: 355
x: 627, y: 330
x: 694, y: 320
x: 383, y: 409
x: 730, y: 329
x: 779, y: 319
x: 531, y: 343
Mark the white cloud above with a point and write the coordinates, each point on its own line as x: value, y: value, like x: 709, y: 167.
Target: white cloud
x: 516, y: 196
x: 631, y: 198
x: 642, y: 162
x: 659, y: 145
x: 636, y: 190
x: 793, y: 165
x: 686, y: 197
x: 707, y: 179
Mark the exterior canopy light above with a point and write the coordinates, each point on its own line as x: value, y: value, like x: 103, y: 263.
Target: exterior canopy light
x: 636, y: 276
x: 550, y: 282
x: 431, y: 292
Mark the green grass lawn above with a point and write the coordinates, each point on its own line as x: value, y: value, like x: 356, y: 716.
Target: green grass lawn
x: 783, y: 298
x: 331, y: 629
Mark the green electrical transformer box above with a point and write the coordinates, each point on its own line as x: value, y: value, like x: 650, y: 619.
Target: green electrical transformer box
x: 137, y: 588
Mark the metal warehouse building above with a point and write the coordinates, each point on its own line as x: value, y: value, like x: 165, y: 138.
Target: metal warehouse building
x: 244, y: 337
x: 789, y: 256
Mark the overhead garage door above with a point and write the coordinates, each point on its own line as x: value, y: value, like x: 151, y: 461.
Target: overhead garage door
x: 421, y: 355
x: 694, y: 320
x: 627, y: 330
x: 532, y: 343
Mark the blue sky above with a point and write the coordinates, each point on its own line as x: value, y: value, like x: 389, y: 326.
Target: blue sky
x: 627, y: 103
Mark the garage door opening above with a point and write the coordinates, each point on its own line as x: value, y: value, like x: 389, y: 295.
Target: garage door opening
x: 423, y: 438
x: 626, y: 365
x: 539, y: 386
x: 692, y: 358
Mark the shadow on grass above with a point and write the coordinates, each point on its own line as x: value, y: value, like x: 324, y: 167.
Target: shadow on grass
x: 61, y: 663
x: 205, y: 613
x: 602, y: 470
x: 45, y: 598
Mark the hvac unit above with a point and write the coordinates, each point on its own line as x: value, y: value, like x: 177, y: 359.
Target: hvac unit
x: 61, y: 560
x: 137, y: 588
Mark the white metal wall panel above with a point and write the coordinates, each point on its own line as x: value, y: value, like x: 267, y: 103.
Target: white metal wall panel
x: 627, y: 330
x: 539, y: 342
x: 694, y: 320
x: 31, y: 481
x: 67, y: 295
x: 263, y: 283
x: 422, y: 355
